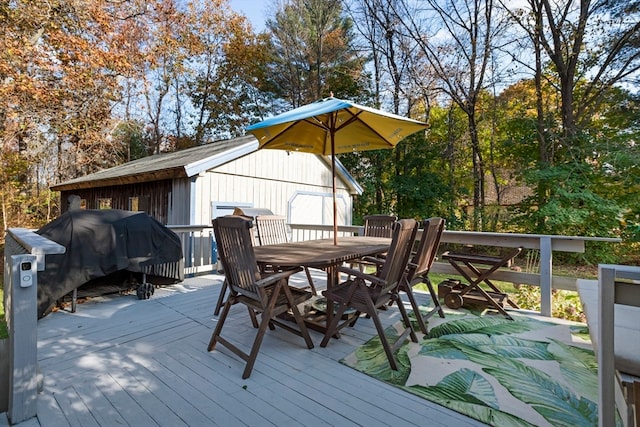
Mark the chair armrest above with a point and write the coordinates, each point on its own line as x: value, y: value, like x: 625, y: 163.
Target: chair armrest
x: 361, y: 275
x: 273, y: 278
x: 373, y: 260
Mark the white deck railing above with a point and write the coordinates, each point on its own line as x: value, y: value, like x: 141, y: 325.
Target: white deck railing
x: 200, y: 255
x: 24, y: 255
x: 546, y: 244
x: 199, y: 252
x: 618, y: 285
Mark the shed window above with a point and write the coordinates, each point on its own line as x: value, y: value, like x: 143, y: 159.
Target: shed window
x: 226, y: 208
x: 104, y: 203
x: 139, y: 203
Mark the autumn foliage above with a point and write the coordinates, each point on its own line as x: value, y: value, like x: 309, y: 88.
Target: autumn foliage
x: 88, y: 84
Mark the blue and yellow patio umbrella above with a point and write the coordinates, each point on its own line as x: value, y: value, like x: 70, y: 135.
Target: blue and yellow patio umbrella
x: 331, y: 126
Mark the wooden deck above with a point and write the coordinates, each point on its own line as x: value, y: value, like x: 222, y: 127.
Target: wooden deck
x: 123, y: 361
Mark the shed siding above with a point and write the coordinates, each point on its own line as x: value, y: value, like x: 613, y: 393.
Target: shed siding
x: 267, y: 179
x: 280, y: 165
x: 158, y: 193
x: 180, y: 202
x: 261, y: 193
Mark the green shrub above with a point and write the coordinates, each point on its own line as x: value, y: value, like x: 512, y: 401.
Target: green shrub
x: 564, y: 304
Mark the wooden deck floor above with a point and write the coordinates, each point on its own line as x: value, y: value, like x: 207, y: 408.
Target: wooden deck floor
x: 122, y: 361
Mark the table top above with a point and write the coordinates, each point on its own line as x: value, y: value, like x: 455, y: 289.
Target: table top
x: 321, y: 253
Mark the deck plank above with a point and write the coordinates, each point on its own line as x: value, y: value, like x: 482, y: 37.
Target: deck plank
x: 128, y: 407
x: 100, y: 407
x: 74, y: 408
x: 122, y: 361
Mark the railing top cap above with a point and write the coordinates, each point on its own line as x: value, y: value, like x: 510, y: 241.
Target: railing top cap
x: 620, y: 267
x: 35, y: 243
x: 536, y: 236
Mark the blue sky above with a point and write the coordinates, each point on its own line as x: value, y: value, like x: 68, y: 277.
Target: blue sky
x: 252, y: 9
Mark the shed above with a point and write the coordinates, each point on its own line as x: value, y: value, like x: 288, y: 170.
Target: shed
x: 193, y: 186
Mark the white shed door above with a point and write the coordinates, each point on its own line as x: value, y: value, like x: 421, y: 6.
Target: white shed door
x: 315, y: 208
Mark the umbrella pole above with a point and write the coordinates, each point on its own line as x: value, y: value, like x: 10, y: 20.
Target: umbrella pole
x: 335, y: 204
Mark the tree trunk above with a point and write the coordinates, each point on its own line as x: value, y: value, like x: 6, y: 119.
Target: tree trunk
x: 478, y: 173
x: 543, y: 156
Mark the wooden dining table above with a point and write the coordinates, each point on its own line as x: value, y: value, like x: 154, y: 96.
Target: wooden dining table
x: 322, y: 254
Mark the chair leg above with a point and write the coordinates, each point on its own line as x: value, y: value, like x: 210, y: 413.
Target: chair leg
x: 383, y: 339
x: 434, y: 297
x: 436, y: 302
x: 406, y: 320
x: 391, y: 349
x: 257, y: 342
x: 416, y: 308
x: 407, y: 288
x: 302, y: 327
x: 333, y: 328
x: 356, y: 316
x: 254, y: 317
x: 218, y: 329
x: 272, y: 327
x: 265, y: 322
x: 223, y: 291
x: 311, y: 284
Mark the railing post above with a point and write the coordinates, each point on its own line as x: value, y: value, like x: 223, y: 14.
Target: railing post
x: 22, y: 323
x: 606, y: 364
x: 24, y: 255
x: 546, y: 275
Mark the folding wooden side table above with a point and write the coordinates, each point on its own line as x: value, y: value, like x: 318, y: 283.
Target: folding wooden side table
x: 477, y: 269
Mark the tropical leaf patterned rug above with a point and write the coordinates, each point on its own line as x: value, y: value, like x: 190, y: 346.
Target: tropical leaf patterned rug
x: 532, y: 371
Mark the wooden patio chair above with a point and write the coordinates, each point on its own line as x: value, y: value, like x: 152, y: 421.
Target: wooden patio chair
x: 377, y: 225
x: 268, y: 295
x: 272, y: 230
x: 225, y: 286
x: 366, y: 293
x: 419, y: 266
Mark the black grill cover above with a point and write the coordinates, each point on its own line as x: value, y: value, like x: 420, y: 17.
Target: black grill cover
x: 101, y: 244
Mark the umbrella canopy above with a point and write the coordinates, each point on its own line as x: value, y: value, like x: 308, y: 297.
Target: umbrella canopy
x: 331, y: 126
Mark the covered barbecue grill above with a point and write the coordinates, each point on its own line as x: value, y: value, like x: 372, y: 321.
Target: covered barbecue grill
x: 111, y: 246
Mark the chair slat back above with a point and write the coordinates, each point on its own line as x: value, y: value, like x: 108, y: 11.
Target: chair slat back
x: 254, y: 229
x: 402, y: 239
x: 235, y: 249
x: 426, y: 252
x: 379, y: 225
x: 272, y: 229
